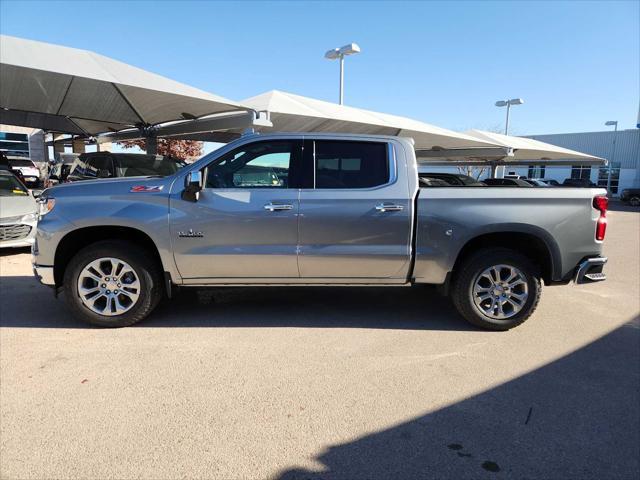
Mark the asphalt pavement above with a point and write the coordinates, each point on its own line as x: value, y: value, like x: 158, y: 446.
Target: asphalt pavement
x: 349, y: 383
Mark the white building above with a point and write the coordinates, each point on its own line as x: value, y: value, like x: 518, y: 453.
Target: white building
x: 624, y: 156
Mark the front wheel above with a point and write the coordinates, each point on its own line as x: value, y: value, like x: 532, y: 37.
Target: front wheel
x: 634, y: 201
x: 496, y: 289
x: 112, y: 284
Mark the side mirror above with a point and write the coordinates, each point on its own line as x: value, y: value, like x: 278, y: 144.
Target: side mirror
x: 36, y: 193
x: 192, y: 186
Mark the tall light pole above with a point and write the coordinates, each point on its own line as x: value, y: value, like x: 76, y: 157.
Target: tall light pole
x: 508, y: 103
x: 499, y: 172
x: 339, y: 54
x: 612, y: 123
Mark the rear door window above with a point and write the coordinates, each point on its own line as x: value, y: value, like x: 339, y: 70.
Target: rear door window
x: 350, y: 165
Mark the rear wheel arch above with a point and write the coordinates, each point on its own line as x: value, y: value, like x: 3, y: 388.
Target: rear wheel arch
x: 76, y: 240
x: 543, y: 251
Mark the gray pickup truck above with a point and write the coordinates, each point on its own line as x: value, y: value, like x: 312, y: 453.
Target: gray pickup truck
x: 313, y: 209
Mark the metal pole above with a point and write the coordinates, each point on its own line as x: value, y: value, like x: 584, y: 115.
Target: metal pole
x: 341, y: 79
x: 506, y: 124
x: 497, y: 171
x: 151, y: 145
x: 613, y: 156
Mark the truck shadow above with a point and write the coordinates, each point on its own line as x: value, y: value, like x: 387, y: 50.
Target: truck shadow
x: 577, y: 417
x: 9, y: 252
x: 26, y: 303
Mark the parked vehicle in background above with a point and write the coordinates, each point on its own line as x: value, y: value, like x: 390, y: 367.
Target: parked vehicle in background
x: 514, y: 176
x: 506, y: 182
x: 550, y: 181
x: 90, y: 166
x: 452, y: 179
x: 313, y: 209
x: 28, y: 170
x: 578, y: 183
x: 534, y: 182
x: 4, y: 166
x: 59, y: 171
x: 432, y: 182
x: 631, y: 196
x: 18, y: 212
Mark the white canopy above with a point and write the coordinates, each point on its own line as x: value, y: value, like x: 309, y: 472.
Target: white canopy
x: 78, y: 91
x: 534, y: 150
x: 294, y: 113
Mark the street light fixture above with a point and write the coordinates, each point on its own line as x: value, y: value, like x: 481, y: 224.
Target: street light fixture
x: 339, y: 54
x: 508, y: 103
x: 611, y: 123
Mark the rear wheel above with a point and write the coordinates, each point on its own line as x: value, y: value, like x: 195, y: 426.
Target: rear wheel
x: 496, y: 289
x: 634, y: 201
x: 112, y: 284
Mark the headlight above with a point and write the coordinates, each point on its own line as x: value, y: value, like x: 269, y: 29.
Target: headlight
x: 45, y: 205
x: 29, y: 217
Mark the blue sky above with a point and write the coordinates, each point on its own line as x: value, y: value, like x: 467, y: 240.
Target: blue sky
x: 576, y: 64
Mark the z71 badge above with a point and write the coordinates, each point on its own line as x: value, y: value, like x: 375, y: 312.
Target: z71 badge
x: 146, y: 188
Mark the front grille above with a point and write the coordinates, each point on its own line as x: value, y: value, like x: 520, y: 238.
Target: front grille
x: 14, y: 232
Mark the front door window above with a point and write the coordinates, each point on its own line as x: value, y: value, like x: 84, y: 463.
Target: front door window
x: 258, y: 165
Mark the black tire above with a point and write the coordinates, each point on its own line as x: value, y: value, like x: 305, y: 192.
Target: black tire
x: 465, y: 278
x: 145, y: 266
x: 634, y: 201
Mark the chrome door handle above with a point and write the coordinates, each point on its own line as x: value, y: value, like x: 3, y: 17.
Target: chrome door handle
x: 389, y: 207
x: 273, y: 207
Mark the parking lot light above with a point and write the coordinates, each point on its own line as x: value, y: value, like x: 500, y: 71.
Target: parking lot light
x: 339, y: 54
x: 611, y: 123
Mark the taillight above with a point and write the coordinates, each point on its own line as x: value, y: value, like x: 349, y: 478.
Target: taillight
x: 601, y: 203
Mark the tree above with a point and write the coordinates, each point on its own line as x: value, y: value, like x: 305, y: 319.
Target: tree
x: 471, y: 171
x: 187, y: 150
x: 478, y: 171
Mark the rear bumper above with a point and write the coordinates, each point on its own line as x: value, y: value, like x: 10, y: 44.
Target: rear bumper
x: 591, y: 270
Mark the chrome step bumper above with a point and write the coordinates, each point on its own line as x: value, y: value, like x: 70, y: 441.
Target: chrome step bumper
x: 591, y: 270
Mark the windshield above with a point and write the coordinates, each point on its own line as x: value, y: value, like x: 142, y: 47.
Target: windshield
x: 145, y: 165
x: 10, y: 186
x: 21, y: 163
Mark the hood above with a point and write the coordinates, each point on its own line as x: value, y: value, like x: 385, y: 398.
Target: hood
x: 110, y: 186
x: 15, y: 206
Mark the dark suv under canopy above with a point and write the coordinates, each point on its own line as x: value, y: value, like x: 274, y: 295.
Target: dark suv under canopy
x: 108, y: 165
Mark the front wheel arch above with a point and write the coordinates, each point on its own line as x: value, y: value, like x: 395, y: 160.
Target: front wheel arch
x: 76, y: 240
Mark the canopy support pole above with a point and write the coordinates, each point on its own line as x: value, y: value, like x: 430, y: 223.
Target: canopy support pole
x: 151, y: 145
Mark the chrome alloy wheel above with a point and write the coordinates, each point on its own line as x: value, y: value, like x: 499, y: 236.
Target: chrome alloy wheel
x: 500, y: 291
x: 108, y: 286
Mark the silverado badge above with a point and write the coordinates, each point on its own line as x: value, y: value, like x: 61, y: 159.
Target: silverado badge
x: 191, y: 234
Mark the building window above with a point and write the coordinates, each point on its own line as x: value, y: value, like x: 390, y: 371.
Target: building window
x: 14, y: 144
x: 581, y: 171
x: 603, y: 175
x: 536, y: 171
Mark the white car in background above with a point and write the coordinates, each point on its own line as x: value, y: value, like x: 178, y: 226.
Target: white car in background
x: 30, y: 172
x: 18, y: 212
